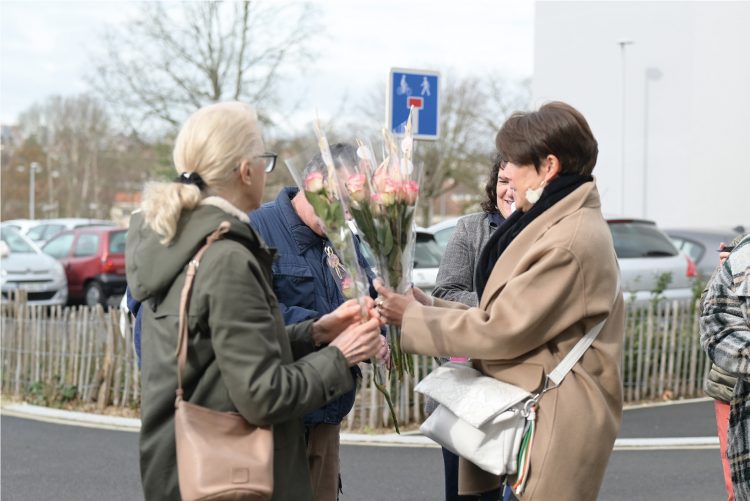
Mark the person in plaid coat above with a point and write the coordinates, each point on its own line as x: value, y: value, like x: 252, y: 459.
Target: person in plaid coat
x: 725, y: 335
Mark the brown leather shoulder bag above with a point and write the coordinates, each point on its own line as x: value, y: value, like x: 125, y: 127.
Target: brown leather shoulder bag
x: 220, y: 456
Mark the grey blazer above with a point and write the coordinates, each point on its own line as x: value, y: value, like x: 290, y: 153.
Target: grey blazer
x: 455, y: 279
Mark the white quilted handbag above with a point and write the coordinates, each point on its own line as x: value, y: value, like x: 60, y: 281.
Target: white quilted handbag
x: 489, y: 422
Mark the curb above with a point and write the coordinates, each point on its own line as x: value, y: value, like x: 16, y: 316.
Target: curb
x: 410, y: 439
x: 72, y: 418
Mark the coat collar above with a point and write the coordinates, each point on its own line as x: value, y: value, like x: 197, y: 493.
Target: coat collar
x: 227, y: 207
x: 495, y: 219
x: 303, y: 236
x: 584, y: 196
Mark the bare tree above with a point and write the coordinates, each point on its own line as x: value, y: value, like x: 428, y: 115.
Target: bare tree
x: 174, y: 58
x: 504, y: 96
x: 83, y: 162
x: 72, y: 131
x: 17, y: 157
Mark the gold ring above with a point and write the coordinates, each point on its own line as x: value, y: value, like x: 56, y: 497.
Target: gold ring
x: 379, y: 303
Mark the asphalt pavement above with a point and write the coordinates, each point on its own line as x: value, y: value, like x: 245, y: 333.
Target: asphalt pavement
x: 42, y: 460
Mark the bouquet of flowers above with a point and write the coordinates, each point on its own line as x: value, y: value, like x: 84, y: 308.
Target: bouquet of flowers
x: 326, y: 193
x: 321, y: 188
x: 382, y: 197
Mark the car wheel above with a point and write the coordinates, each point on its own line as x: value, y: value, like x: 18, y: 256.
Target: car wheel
x: 94, y: 295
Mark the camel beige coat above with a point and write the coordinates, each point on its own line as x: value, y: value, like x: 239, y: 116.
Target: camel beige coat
x: 554, y: 282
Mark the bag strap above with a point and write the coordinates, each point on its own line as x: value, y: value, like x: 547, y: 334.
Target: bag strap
x: 192, y: 268
x: 562, y: 369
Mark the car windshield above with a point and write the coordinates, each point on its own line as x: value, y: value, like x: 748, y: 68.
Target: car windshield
x: 426, y: 252
x: 443, y: 236
x: 638, y: 240
x: 15, y: 242
x: 117, y: 242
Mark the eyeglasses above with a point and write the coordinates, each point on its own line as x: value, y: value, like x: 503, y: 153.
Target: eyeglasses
x: 270, y: 160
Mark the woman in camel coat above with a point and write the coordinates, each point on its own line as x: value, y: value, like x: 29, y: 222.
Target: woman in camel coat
x: 544, y: 279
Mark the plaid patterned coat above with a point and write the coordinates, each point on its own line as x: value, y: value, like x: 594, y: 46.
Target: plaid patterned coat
x: 725, y: 335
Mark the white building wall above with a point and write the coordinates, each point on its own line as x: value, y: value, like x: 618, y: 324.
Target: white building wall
x: 688, y: 130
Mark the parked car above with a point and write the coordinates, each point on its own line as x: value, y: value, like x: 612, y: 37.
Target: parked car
x: 21, y: 225
x: 645, y: 255
x: 48, y: 228
x: 702, y: 246
x: 24, y: 266
x: 94, y: 261
x: 443, y: 231
x: 427, y: 254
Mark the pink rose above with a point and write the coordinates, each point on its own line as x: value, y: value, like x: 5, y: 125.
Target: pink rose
x: 409, y: 192
x: 376, y: 206
x: 314, y: 182
x: 357, y: 185
x: 391, y: 186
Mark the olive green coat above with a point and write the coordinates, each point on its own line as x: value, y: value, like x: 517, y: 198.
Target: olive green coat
x: 241, y: 357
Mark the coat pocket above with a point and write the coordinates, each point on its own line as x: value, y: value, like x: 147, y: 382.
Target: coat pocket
x: 294, y: 284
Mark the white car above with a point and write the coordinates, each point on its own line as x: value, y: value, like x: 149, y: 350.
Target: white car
x: 427, y: 255
x: 22, y: 225
x: 443, y: 230
x: 24, y: 266
x: 48, y: 228
x: 649, y: 262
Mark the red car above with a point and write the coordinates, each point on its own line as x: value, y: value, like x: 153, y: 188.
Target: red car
x: 94, y: 262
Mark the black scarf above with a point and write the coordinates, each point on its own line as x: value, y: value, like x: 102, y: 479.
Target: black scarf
x: 556, y: 190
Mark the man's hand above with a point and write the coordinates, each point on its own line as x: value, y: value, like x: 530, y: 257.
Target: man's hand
x: 723, y: 253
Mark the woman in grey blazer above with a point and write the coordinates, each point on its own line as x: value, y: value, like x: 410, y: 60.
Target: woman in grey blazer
x: 455, y: 280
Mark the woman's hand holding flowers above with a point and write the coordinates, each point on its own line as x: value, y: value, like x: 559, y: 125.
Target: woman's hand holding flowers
x: 391, y: 304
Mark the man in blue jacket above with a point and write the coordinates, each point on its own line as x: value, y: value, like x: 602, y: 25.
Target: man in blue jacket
x: 307, y: 288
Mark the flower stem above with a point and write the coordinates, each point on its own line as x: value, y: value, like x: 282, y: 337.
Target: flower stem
x: 378, y: 380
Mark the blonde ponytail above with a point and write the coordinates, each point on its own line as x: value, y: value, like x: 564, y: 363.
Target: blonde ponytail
x: 163, y: 203
x: 211, y: 143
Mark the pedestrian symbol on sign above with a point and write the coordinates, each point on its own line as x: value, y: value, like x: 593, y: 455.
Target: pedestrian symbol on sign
x: 425, y: 86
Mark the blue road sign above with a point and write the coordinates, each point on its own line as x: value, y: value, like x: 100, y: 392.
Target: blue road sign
x: 418, y: 88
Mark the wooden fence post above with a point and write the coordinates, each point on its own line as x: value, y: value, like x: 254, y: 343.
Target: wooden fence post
x: 107, y: 366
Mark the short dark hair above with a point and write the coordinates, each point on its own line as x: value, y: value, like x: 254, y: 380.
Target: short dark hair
x: 490, y: 203
x: 555, y: 129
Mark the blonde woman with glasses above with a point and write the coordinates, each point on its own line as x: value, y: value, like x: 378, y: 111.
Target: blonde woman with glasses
x: 241, y: 357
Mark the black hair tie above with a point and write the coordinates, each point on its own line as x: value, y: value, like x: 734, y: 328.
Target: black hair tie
x: 191, y: 178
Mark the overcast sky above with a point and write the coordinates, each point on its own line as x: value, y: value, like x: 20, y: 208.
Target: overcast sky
x: 45, y: 46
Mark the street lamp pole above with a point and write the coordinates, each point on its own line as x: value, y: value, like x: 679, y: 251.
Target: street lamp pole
x: 651, y: 75
x: 33, y: 167
x: 623, y: 44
